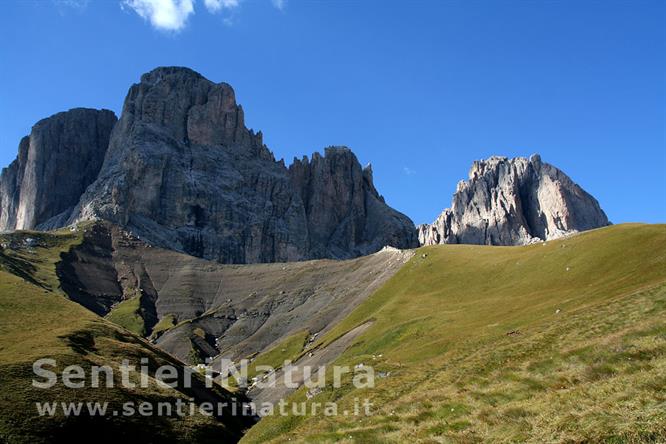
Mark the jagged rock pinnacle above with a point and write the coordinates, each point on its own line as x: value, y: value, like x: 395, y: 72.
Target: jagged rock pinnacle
x: 513, y: 202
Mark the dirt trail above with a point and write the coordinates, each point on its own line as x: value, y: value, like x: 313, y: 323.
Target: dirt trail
x: 317, y: 358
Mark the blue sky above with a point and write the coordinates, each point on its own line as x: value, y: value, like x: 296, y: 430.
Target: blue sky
x: 418, y: 88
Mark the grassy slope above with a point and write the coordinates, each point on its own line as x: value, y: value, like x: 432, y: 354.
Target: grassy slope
x: 595, y: 370
x: 36, y: 321
x: 127, y: 314
x: 289, y: 349
x: 36, y: 264
x: 166, y: 323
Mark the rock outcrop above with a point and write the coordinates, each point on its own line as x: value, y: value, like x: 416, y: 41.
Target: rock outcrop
x: 344, y: 212
x: 56, y: 162
x: 182, y: 171
x: 514, y: 202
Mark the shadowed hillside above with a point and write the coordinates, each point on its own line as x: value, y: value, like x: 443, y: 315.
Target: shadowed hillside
x: 37, y: 321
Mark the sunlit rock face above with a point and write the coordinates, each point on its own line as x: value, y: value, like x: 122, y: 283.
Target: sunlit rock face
x: 60, y: 158
x: 513, y: 202
x: 182, y: 171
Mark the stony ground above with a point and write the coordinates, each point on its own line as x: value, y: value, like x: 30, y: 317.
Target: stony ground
x: 196, y: 309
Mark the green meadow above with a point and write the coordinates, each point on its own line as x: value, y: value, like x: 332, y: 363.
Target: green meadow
x: 562, y: 341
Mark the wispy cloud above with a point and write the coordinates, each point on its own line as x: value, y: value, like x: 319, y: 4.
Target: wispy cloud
x: 279, y: 4
x: 218, y: 5
x: 172, y: 15
x: 229, y: 8
x: 168, y: 15
x: 408, y: 171
x: 65, y: 7
x: 74, y: 4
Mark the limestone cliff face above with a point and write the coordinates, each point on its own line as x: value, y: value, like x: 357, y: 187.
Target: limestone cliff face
x: 55, y: 164
x: 514, y: 202
x: 345, y: 214
x: 182, y: 171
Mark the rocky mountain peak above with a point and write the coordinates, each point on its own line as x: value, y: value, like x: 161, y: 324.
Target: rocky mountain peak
x: 165, y: 72
x: 344, y: 210
x: 189, y: 108
x: 514, y: 202
x: 183, y: 171
x: 56, y: 162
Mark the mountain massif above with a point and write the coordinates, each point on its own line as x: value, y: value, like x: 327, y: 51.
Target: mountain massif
x: 188, y: 244
x: 182, y: 171
x: 514, y: 202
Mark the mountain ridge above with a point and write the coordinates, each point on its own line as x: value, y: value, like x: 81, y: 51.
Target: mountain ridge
x: 183, y: 172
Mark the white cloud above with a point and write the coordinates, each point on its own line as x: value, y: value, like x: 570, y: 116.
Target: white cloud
x: 170, y: 15
x: 408, y: 171
x: 279, y: 4
x: 217, y: 5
